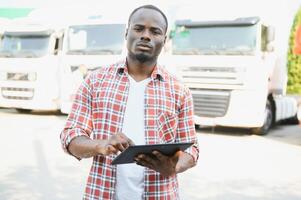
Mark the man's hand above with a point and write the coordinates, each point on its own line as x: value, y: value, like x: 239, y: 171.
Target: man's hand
x: 117, y: 142
x: 165, y: 165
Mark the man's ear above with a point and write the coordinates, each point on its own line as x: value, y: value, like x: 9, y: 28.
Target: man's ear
x: 165, y: 38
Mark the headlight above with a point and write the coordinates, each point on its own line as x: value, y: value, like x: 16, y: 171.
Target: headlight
x: 2, y: 75
x: 82, y: 69
x: 32, y: 76
x: 74, y: 68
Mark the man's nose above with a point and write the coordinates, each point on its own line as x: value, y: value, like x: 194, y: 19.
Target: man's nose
x: 145, y: 35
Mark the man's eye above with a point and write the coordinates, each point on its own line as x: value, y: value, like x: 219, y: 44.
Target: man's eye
x: 138, y: 29
x: 157, y: 32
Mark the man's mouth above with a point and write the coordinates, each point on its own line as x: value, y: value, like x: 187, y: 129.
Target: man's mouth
x: 144, y: 47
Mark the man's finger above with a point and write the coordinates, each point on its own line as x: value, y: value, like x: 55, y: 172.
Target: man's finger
x: 159, y: 155
x: 131, y: 143
x: 120, y: 147
x: 148, y: 159
x: 128, y: 139
x: 126, y: 144
x: 144, y: 164
x: 111, y: 150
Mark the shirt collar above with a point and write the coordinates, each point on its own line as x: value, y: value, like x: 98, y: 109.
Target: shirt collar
x: 157, y: 73
x: 121, y: 67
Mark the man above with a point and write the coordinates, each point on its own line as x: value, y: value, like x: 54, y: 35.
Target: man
x: 134, y: 101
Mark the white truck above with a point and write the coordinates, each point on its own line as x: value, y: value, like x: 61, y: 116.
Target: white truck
x: 88, y: 44
x: 29, y: 66
x: 231, y: 68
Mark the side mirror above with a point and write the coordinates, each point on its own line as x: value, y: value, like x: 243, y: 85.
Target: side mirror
x: 270, y: 34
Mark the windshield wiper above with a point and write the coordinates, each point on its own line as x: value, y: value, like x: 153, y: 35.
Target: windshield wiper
x: 26, y: 54
x: 235, y: 52
x: 194, y: 51
x: 93, y: 52
x: 76, y: 52
x: 197, y: 51
x: 6, y: 54
x: 101, y: 51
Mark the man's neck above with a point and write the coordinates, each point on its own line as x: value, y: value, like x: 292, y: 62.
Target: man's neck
x: 140, y: 71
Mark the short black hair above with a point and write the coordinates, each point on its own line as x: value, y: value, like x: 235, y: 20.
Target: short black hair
x: 152, y: 7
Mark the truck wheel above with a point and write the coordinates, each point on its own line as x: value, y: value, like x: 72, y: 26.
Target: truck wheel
x: 290, y: 121
x: 268, y: 121
x: 23, y: 111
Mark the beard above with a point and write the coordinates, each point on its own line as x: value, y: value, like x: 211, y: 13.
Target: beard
x: 142, y: 58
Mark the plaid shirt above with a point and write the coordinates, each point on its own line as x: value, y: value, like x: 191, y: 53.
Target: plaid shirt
x: 98, y: 112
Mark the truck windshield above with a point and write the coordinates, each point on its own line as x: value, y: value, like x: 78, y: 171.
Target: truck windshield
x: 227, y: 40
x: 24, y: 46
x: 104, y: 39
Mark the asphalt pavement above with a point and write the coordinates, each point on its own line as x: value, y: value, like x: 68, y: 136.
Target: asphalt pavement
x: 233, y: 165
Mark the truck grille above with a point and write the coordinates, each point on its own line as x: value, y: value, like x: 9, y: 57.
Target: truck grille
x: 12, y: 76
x: 17, y: 93
x: 210, y: 103
x: 17, y: 76
x: 213, y: 75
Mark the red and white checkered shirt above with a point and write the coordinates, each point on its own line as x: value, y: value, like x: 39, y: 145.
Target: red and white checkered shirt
x: 98, y: 112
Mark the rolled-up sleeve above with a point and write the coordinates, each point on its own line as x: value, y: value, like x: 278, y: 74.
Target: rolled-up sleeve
x: 79, y: 121
x: 186, y: 128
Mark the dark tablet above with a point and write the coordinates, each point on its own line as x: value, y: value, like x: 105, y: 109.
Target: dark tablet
x: 128, y: 155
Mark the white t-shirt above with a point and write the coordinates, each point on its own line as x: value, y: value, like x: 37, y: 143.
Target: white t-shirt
x: 130, y: 177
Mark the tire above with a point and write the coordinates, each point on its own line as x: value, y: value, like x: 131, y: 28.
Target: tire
x: 290, y: 121
x: 23, y: 111
x: 268, y: 121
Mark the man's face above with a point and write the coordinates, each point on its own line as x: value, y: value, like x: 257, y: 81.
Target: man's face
x: 145, y: 35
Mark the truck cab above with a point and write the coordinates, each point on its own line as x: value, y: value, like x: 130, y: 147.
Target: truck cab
x: 231, y: 69
x: 29, y: 67
x: 88, y: 44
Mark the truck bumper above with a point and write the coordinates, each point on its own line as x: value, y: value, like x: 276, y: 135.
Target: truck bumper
x: 32, y: 98
x: 245, y: 109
